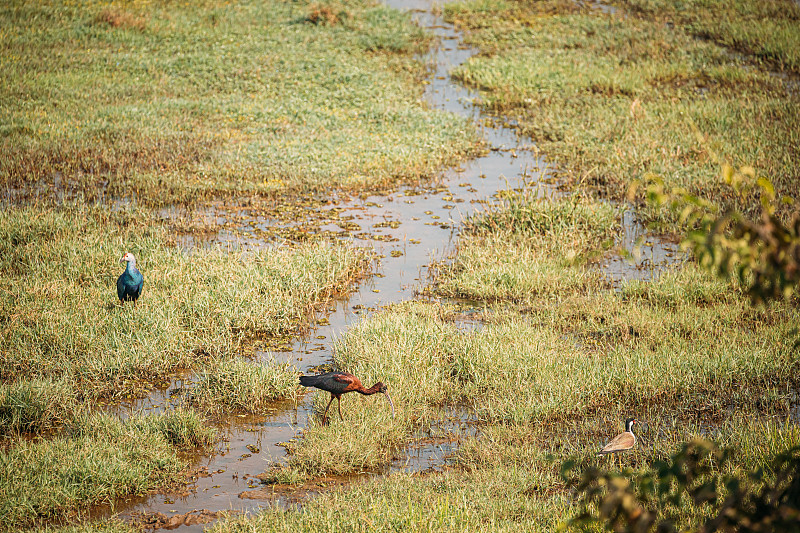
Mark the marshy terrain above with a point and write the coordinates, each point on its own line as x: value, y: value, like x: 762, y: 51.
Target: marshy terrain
x: 449, y: 199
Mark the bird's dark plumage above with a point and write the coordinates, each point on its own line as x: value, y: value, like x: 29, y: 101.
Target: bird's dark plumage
x: 131, y: 281
x: 333, y: 382
x: 338, y: 383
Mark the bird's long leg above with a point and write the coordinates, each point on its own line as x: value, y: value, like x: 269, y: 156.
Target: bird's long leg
x: 340, y: 408
x: 325, y: 415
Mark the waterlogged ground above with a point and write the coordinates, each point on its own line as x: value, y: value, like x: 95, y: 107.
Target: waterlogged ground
x: 530, y: 317
x: 409, y: 229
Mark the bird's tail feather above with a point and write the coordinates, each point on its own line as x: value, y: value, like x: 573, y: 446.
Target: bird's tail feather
x: 308, y: 381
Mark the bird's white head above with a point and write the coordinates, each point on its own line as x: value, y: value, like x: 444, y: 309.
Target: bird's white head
x: 128, y: 258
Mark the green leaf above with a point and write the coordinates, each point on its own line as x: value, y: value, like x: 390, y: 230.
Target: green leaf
x: 766, y: 186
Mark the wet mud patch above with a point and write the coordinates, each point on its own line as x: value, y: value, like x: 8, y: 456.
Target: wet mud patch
x: 156, y: 520
x: 163, y: 396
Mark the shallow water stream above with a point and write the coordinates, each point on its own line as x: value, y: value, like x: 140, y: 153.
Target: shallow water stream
x: 408, y: 228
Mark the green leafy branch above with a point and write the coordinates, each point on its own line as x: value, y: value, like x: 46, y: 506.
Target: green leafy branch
x: 763, y: 254
x: 662, y: 498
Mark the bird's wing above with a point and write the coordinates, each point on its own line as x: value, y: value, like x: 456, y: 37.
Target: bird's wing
x: 347, y: 382
x: 623, y: 441
x: 121, y: 286
x: 335, y: 382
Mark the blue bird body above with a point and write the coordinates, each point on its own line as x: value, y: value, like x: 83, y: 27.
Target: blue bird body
x: 130, y: 282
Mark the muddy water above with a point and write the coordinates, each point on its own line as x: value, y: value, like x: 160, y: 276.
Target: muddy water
x: 408, y: 229
x: 645, y: 255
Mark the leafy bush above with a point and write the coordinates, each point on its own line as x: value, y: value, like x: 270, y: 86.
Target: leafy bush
x: 656, y: 500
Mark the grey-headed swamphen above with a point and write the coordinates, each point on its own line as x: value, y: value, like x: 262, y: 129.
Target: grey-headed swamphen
x: 129, y: 284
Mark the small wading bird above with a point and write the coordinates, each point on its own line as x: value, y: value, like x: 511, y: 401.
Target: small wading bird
x: 338, y: 383
x: 129, y: 284
x: 622, y: 442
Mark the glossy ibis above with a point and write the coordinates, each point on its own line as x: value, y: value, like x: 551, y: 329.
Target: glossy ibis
x: 130, y: 282
x: 338, y: 383
x: 622, y: 442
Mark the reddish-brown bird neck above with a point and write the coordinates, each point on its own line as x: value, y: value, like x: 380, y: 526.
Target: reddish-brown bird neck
x: 372, y: 390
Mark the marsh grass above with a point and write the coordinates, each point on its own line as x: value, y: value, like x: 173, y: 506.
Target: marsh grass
x: 528, y: 249
x: 241, y: 385
x: 501, y: 499
x: 97, y: 460
x: 106, y: 526
x: 61, y: 318
x: 183, y: 429
x: 754, y: 437
x: 541, y: 400
x: 391, y: 348
x: 613, y: 98
x: 36, y: 406
x: 508, y: 479
x: 550, y: 376
x: 684, y: 339
x: 67, y: 342
x: 177, y: 103
x: 566, y: 359
x: 769, y: 31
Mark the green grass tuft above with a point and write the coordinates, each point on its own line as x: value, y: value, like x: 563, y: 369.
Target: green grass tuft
x: 98, y: 460
x: 240, y: 385
x: 38, y: 405
x: 530, y: 249
x: 181, y: 428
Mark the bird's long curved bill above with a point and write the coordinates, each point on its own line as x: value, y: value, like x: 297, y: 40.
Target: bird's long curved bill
x: 391, y: 404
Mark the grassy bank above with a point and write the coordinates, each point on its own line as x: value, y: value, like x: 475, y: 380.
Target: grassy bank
x: 107, y: 526
x: 570, y: 360
x: 613, y: 97
x: 767, y: 31
x: 67, y: 343
x: 533, y: 249
x: 173, y: 103
x: 684, y: 340
x: 36, y: 405
x: 96, y: 460
x: 61, y: 319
